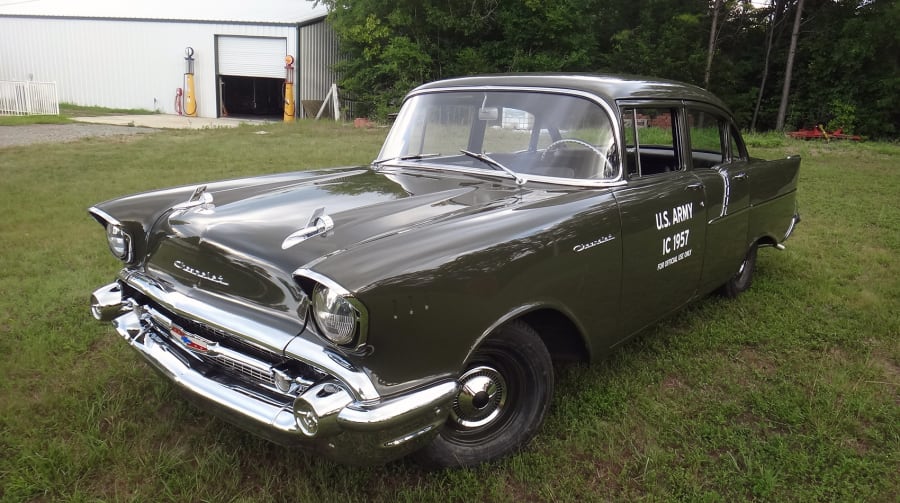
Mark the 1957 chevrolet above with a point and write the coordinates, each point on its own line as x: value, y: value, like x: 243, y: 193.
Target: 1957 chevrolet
x: 417, y: 304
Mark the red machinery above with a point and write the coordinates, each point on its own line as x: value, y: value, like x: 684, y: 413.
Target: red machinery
x: 819, y: 133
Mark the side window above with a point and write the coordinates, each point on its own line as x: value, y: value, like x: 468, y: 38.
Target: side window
x: 736, y: 150
x: 707, y: 133
x: 650, y: 143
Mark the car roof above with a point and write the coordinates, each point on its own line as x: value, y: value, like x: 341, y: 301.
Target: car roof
x: 608, y: 87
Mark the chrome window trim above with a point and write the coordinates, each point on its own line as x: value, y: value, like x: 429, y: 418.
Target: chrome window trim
x: 316, y: 355
x: 572, y: 182
x: 614, y: 124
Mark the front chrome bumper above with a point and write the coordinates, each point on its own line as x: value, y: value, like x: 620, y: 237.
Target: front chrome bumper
x: 333, y: 415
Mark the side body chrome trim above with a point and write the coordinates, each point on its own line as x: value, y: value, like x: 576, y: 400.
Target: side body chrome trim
x: 726, y: 196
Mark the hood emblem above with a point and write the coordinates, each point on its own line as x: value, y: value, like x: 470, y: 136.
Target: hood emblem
x: 194, y: 342
x: 319, y: 224
x: 200, y: 274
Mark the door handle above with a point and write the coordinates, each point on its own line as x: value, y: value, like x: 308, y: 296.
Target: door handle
x: 741, y: 176
x: 694, y: 186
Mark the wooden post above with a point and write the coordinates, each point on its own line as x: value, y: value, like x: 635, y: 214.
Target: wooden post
x: 335, y: 103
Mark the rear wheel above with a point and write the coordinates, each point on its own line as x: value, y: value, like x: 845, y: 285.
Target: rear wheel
x: 742, y: 280
x: 504, y: 396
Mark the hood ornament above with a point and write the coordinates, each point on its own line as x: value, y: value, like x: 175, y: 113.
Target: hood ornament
x: 319, y: 224
x: 200, y: 199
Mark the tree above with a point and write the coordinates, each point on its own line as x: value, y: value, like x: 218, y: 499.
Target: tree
x: 777, y: 7
x: 839, y: 65
x: 712, y: 42
x: 789, y: 68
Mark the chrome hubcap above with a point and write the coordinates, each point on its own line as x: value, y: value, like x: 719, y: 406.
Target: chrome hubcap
x: 481, y: 397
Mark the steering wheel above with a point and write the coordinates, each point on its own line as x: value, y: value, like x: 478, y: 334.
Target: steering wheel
x: 608, y: 168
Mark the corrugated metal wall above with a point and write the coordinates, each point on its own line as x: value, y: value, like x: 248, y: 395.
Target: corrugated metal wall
x: 318, y: 54
x: 127, y: 63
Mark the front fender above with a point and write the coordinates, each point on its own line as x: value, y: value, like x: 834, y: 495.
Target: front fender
x: 460, y: 280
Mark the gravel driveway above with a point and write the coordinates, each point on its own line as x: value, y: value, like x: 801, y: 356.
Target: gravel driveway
x: 58, y: 133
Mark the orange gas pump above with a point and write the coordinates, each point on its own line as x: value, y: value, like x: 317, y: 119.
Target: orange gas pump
x: 289, y: 88
x: 190, y: 102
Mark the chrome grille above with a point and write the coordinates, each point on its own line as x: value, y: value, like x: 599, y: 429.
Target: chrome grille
x: 245, y: 369
x: 227, y: 352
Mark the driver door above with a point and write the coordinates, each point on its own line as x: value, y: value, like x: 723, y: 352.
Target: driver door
x: 663, y: 218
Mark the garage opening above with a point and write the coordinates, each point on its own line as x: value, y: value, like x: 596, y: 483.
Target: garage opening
x: 252, y: 97
x: 251, y: 76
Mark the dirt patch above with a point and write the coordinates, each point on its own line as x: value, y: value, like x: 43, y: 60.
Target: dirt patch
x: 756, y: 362
x: 11, y: 136
x: 671, y: 382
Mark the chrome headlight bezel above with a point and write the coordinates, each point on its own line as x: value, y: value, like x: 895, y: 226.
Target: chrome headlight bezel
x: 327, y: 301
x: 317, y: 289
x: 119, y: 242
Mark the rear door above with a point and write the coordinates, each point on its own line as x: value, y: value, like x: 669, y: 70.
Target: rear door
x: 719, y: 160
x: 663, y: 216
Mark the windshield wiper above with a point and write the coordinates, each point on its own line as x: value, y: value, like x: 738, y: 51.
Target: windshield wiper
x: 410, y: 157
x: 520, y: 180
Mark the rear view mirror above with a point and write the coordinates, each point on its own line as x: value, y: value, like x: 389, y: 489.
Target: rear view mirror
x: 488, y: 114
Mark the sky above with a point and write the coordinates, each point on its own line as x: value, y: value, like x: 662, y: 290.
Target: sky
x: 286, y: 11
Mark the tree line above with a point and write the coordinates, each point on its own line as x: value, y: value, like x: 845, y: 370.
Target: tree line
x: 841, y: 57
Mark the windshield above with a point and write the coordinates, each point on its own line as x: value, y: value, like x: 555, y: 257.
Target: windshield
x: 534, y: 134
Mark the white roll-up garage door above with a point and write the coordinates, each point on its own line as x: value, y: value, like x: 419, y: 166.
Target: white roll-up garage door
x: 251, y: 56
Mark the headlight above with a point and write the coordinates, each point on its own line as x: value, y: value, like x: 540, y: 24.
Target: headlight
x: 337, y: 315
x: 119, y: 242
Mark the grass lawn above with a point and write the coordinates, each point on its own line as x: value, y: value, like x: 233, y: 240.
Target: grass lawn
x: 789, y: 393
x: 66, y: 112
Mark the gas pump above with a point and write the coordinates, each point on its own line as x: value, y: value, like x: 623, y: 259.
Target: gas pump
x: 190, y: 103
x: 289, y: 88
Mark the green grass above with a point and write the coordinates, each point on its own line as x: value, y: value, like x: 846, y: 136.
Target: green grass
x: 25, y: 120
x: 789, y: 393
x: 66, y: 112
x: 73, y: 110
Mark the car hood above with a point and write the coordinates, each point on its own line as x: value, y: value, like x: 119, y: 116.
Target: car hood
x: 234, y: 247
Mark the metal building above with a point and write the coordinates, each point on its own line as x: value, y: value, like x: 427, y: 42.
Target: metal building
x: 131, y: 54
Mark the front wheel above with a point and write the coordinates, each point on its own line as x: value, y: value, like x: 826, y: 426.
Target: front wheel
x: 742, y: 280
x: 504, y: 396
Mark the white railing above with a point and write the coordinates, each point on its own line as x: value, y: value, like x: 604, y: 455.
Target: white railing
x: 28, y: 98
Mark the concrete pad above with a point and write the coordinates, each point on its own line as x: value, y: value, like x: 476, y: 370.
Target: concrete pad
x: 162, y: 121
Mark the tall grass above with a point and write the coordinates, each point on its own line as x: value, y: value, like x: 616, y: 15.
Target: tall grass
x: 788, y: 393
